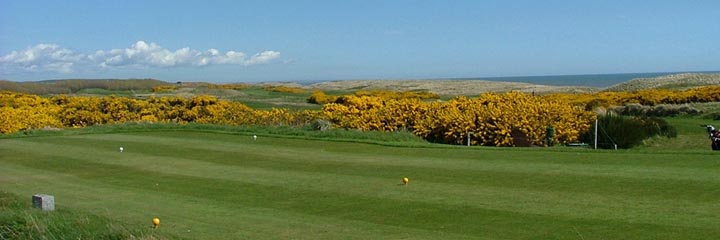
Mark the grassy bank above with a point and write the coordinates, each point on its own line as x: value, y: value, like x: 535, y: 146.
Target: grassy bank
x: 19, y: 221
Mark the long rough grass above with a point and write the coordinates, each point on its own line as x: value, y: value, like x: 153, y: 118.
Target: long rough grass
x: 19, y: 221
x: 213, y: 185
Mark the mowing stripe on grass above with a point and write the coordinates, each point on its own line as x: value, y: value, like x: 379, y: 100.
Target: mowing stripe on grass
x: 473, y: 193
x: 663, y: 166
x: 613, y: 181
x: 200, y: 217
x: 384, y: 211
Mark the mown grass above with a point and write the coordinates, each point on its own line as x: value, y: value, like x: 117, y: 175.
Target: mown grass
x: 692, y: 137
x: 401, y: 138
x: 222, y: 184
x: 260, y: 98
x: 106, y: 92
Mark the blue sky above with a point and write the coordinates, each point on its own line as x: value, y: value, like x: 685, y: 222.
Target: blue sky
x: 250, y: 41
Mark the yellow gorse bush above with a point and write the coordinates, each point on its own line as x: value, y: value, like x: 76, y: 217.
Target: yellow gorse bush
x: 232, y: 86
x: 397, y: 94
x: 319, y: 97
x: 508, y: 119
x: 23, y: 111
x: 494, y: 119
x: 165, y: 88
x: 284, y: 89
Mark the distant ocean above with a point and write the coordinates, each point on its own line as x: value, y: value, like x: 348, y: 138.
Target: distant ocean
x: 585, y: 80
x: 589, y: 80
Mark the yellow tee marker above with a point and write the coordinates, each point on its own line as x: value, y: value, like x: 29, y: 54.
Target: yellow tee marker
x: 405, y: 180
x: 156, y: 222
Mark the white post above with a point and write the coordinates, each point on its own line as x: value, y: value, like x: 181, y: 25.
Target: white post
x: 468, y: 141
x: 44, y: 202
x: 596, y: 128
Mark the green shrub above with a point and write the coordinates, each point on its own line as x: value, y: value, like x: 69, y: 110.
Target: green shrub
x: 628, y: 132
x: 320, y: 125
x: 712, y: 115
x: 661, y: 110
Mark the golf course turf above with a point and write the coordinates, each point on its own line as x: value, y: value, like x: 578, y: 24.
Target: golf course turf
x: 213, y: 185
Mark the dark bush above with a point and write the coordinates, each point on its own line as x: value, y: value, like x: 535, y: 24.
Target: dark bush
x: 320, y: 125
x: 628, y: 132
x: 596, y: 103
x: 661, y: 110
x: 712, y: 115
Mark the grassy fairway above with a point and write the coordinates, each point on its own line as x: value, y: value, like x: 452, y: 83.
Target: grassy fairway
x: 223, y: 186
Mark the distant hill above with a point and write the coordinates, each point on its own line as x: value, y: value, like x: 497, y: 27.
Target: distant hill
x: 448, y: 87
x: 69, y: 86
x: 445, y: 87
x: 475, y: 86
x: 674, y: 81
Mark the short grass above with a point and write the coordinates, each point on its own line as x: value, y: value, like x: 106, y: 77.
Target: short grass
x: 692, y: 137
x: 259, y: 98
x: 106, y: 92
x: 221, y: 185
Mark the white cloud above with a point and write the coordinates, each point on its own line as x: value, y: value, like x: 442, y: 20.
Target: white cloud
x: 263, y: 57
x: 42, y: 57
x: 53, y: 58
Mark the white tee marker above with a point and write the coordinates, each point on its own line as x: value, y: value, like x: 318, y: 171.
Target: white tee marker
x: 121, y: 149
x: 254, y: 137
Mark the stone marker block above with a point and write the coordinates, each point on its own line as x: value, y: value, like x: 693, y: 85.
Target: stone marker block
x: 44, y: 202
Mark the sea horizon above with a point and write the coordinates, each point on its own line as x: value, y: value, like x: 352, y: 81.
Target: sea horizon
x: 583, y: 80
